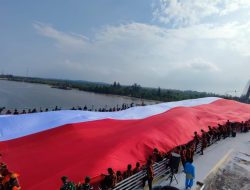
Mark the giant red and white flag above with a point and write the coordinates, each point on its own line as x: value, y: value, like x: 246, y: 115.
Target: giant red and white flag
x: 42, y: 147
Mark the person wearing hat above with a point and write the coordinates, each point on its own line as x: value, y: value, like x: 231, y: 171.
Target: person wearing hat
x: 67, y: 185
x: 86, y: 185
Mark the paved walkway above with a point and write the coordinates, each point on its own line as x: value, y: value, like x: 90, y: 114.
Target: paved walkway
x: 212, y: 158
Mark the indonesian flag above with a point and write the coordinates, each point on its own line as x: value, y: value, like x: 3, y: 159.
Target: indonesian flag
x: 42, y: 147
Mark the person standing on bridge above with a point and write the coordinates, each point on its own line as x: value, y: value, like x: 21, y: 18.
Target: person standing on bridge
x: 86, y: 185
x: 189, y: 170
x: 67, y: 185
x: 150, y: 173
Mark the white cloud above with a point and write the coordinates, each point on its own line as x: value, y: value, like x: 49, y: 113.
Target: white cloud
x: 155, y: 56
x: 182, y: 13
x: 62, y: 39
x: 199, y: 64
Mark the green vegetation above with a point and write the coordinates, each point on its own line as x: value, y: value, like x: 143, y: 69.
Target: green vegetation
x: 135, y: 90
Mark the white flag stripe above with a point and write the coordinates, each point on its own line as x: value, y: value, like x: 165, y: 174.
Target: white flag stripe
x: 15, y: 126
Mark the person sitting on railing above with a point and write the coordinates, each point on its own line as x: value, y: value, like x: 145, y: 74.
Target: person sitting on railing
x: 157, y: 157
x: 86, y: 185
x: 67, y: 185
x: 128, y: 172
x: 137, y: 168
x: 119, y: 176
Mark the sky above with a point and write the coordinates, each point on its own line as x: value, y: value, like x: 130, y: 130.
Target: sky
x: 201, y: 45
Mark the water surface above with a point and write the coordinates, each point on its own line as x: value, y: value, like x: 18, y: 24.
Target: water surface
x: 23, y: 95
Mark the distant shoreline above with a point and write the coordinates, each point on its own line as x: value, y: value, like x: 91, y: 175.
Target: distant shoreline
x: 56, y: 87
x: 133, y: 91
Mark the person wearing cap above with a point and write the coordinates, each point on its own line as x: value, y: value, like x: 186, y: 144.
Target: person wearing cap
x: 86, y: 185
x: 67, y: 185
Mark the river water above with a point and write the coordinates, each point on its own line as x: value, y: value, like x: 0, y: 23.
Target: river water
x: 22, y: 95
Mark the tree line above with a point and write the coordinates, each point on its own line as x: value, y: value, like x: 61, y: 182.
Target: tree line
x: 134, y: 90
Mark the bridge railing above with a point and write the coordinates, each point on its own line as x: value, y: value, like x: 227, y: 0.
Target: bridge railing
x: 136, y: 181
x: 160, y: 169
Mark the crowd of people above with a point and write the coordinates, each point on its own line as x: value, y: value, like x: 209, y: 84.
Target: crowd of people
x: 186, y: 152
x: 201, y: 140
x: 15, y: 111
